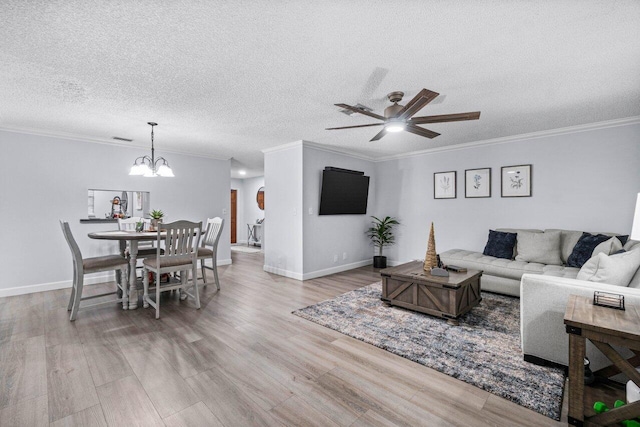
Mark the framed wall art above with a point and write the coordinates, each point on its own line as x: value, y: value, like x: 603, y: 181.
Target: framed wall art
x: 516, y: 181
x: 444, y: 185
x: 477, y: 183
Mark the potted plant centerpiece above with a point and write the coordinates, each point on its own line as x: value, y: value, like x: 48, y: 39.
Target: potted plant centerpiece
x: 381, y: 234
x: 156, y: 218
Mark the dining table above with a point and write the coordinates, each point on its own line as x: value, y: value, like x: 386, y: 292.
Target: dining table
x: 132, y: 238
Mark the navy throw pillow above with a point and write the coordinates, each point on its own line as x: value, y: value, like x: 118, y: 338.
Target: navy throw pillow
x: 623, y: 239
x: 583, y: 250
x: 500, y: 244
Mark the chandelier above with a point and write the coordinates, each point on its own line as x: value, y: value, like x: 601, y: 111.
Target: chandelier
x: 150, y: 166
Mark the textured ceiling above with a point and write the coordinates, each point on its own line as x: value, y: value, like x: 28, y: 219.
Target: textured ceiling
x: 227, y: 79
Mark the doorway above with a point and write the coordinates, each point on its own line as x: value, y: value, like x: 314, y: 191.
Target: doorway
x: 234, y: 210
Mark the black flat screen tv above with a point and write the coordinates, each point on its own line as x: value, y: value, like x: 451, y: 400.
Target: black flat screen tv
x: 344, y: 192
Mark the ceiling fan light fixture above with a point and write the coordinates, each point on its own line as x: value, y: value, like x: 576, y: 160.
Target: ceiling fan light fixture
x: 394, y: 127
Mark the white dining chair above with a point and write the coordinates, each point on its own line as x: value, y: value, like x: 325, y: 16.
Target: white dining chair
x: 209, y: 248
x: 145, y: 249
x: 82, y: 266
x: 180, y: 254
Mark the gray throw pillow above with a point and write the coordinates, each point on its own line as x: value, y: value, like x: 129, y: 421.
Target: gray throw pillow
x: 543, y: 248
x: 616, y: 269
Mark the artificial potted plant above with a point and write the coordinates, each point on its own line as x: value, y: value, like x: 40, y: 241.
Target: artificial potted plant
x: 381, y: 234
x: 156, y: 218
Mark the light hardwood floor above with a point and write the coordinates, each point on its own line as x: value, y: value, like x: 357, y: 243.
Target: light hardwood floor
x: 242, y: 360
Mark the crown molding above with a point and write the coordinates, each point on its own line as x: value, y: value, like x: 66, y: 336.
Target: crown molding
x: 332, y: 149
x: 319, y: 147
x: 93, y: 140
x: 515, y: 138
x: 287, y: 146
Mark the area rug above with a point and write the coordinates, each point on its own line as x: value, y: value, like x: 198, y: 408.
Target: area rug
x: 245, y: 249
x: 484, y: 350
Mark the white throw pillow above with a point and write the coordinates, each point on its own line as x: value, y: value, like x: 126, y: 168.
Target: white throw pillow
x: 608, y: 247
x: 539, y: 247
x: 613, y: 270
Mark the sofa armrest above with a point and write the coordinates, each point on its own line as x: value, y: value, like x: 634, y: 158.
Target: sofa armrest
x: 543, y: 301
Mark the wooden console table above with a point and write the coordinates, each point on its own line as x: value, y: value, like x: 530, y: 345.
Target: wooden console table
x: 409, y: 286
x: 603, y: 327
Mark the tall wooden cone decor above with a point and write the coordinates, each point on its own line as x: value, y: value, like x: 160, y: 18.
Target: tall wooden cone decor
x: 431, y: 259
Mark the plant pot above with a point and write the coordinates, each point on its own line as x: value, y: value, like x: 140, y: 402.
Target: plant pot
x: 155, y: 223
x: 379, y: 262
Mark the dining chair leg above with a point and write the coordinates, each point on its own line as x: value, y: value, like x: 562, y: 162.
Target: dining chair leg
x: 184, y: 276
x: 145, y: 285
x: 195, y: 285
x: 215, y: 270
x: 204, y: 273
x: 73, y: 290
x: 77, y: 296
x: 157, y: 277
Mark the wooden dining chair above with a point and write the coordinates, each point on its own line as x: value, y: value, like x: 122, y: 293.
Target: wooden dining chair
x: 211, y: 238
x: 82, y: 266
x: 180, y: 254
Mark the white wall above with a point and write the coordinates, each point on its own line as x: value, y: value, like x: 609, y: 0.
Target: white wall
x: 328, y: 236
x: 283, y: 211
x: 44, y: 179
x: 583, y: 181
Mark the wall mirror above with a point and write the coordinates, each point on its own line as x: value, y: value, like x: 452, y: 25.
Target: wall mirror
x: 108, y: 204
x: 260, y: 198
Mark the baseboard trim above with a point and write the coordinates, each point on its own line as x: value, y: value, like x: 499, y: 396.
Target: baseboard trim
x: 337, y: 269
x: 282, y: 272
x: 543, y: 362
x: 52, y: 286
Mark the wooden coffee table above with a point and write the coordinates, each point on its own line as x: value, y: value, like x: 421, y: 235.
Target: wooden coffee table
x: 409, y: 286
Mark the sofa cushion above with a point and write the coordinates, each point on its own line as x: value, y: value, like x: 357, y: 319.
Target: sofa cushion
x: 608, y: 247
x: 543, y: 248
x: 635, y: 280
x: 518, y: 230
x: 611, y: 269
x: 560, y: 271
x: 568, y: 240
x: 583, y: 250
x: 631, y: 245
x: 490, y: 265
x: 500, y: 244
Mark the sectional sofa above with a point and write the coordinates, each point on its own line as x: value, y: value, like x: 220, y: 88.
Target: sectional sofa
x: 544, y: 291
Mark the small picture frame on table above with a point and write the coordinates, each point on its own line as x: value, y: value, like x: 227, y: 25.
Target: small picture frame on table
x: 477, y: 183
x: 444, y: 185
x: 516, y: 181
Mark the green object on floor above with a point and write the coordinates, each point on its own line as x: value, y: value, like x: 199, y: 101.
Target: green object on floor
x: 601, y: 407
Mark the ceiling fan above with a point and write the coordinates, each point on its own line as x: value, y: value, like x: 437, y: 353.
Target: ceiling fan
x: 398, y: 118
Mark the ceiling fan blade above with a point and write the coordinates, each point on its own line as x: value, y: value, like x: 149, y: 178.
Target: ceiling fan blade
x: 423, y: 97
x: 420, y: 131
x: 475, y: 115
x: 359, y: 126
x: 379, y: 135
x: 358, y: 110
